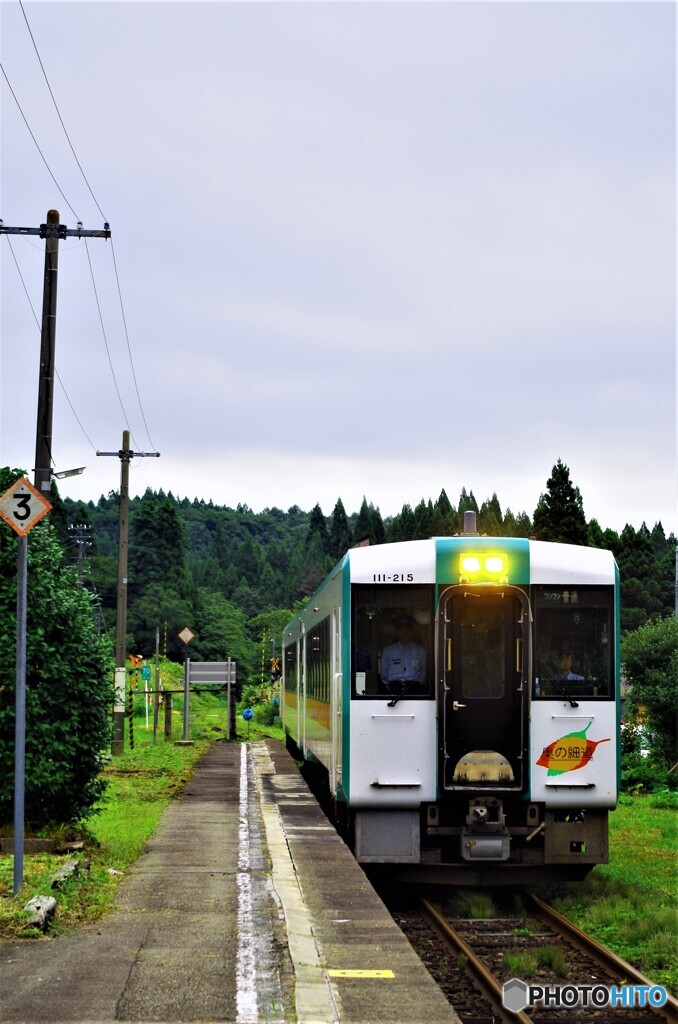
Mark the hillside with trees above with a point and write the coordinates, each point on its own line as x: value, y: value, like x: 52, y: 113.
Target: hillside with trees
x: 233, y: 575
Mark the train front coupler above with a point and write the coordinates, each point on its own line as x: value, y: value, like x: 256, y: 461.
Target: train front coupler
x: 485, y: 836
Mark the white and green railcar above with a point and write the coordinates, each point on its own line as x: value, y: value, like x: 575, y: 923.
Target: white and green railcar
x: 460, y: 696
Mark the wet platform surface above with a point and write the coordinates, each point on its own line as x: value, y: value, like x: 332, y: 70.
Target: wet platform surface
x: 245, y: 906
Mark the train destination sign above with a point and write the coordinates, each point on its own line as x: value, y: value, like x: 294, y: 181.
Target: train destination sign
x: 22, y: 506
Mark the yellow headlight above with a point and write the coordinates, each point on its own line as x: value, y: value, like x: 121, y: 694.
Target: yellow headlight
x: 482, y: 568
x: 494, y: 563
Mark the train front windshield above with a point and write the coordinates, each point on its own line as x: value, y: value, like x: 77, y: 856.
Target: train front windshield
x: 392, y: 641
x: 574, y: 642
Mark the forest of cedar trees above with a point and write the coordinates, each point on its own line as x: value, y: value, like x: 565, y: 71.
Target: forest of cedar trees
x: 235, y: 576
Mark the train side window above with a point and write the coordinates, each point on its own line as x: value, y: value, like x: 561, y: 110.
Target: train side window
x: 384, y: 617
x: 291, y: 667
x: 574, y: 643
x: 318, y: 661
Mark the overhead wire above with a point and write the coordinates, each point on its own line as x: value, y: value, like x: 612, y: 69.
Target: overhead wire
x: 115, y: 264
x: 115, y: 381
x: 96, y: 595
x: 35, y: 317
x: 108, y: 351
x: 59, y: 112
x: 129, y: 347
x: 44, y: 160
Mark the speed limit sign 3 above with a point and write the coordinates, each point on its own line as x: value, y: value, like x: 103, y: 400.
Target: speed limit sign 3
x: 22, y: 506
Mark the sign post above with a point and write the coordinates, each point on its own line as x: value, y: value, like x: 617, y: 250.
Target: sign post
x: 229, y: 663
x: 146, y: 675
x: 186, y: 636
x: 22, y: 506
x: 216, y: 673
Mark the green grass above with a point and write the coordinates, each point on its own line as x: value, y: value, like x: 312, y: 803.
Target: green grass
x: 470, y: 903
x: 142, y: 782
x: 520, y: 964
x: 553, y: 958
x: 630, y: 904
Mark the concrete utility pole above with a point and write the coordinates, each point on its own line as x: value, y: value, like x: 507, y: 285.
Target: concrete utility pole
x: 125, y: 454
x: 51, y: 231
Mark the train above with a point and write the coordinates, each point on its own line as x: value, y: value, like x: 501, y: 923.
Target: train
x: 458, y: 697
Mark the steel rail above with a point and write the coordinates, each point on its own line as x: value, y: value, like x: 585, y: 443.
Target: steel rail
x: 608, y: 960
x: 489, y: 984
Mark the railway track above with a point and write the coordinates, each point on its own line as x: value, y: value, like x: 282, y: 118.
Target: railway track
x: 472, y: 959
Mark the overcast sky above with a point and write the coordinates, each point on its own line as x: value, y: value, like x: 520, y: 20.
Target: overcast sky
x: 363, y: 249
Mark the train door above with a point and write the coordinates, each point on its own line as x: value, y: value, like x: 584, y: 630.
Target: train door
x: 302, y: 689
x: 336, y: 710
x: 484, y: 658
x: 291, y: 691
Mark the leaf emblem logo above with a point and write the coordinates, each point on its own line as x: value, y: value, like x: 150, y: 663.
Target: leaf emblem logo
x: 568, y: 753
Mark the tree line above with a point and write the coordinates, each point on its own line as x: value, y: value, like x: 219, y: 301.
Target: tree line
x: 234, y: 574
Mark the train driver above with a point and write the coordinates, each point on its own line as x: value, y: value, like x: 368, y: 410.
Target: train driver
x: 558, y: 666
x: 564, y: 672
x: 403, y: 661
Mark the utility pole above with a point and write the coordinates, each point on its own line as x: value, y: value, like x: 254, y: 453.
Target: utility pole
x: 80, y: 533
x: 125, y: 454
x: 52, y: 231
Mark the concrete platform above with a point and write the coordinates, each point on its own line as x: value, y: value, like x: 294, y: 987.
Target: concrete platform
x: 244, y: 907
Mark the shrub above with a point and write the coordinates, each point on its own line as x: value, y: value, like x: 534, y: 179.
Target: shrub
x: 69, y: 683
x: 650, y: 662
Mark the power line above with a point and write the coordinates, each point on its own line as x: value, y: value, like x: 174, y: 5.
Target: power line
x: 44, y: 160
x: 59, y: 113
x: 129, y: 348
x: 108, y: 351
x: 52, y: 231
x: 115, y: 267
x: 21, y: 277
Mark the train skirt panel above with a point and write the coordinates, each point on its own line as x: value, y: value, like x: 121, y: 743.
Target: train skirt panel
x: 397, y: 766
x: 573, y: 755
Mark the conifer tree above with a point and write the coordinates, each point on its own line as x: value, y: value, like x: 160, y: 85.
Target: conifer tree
x: 559, y: 515
x: 523, y: 525
x: 393, y: 529
x: 340, y: 533
x: 467, y: 503
x: 641, y: 585
x: 318, y: 526
x: 445, y: 522
x: 157, y: 545
x: 378, y: 529
x: 443, y: 505
x: 407, y: 523
x: 157, y: 563
x: 423, y: 520
x: 490, y: 518
x: 309, y: 567
x: 509, y: 524
x: 364, y: 526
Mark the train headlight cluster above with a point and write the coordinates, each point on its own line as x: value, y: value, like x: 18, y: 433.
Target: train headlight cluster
x: 483, y: 568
